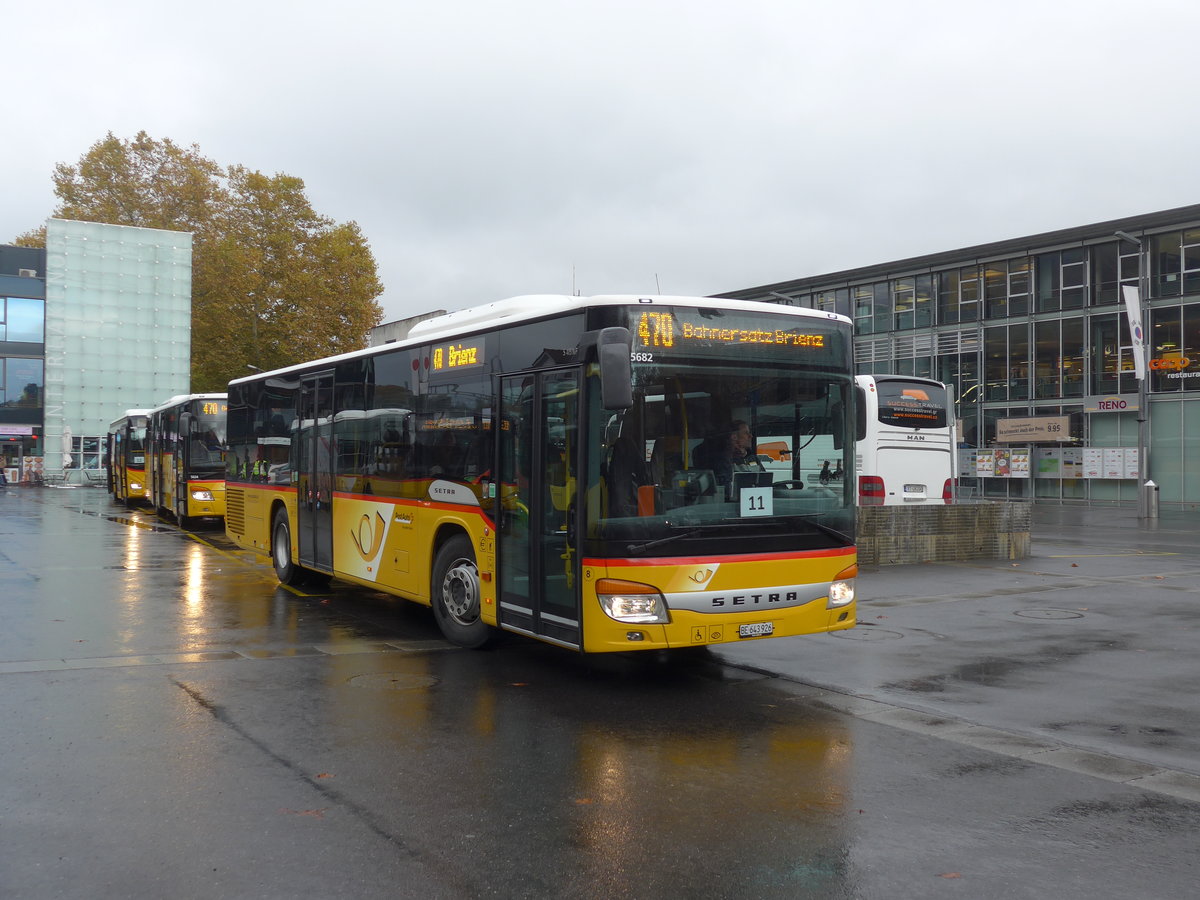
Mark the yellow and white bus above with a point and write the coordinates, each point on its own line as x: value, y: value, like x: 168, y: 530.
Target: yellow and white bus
x: 578, y: 470
x: 125, y: 457
x: 186, y: 450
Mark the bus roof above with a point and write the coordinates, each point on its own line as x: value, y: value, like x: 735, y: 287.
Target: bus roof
x: 129, y: 414
x: 538, y: 306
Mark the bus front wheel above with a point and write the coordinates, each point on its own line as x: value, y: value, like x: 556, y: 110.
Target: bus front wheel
x: 456, y: 594
x: 286, y: 569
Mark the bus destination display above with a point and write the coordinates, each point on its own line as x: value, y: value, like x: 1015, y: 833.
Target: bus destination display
x: 668, y: 331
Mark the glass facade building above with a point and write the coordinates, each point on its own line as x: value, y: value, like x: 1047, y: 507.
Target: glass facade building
x: 1035, y: 329
x: 97, y: 323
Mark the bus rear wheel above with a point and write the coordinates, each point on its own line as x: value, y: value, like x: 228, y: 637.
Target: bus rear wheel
x: 456, y: 594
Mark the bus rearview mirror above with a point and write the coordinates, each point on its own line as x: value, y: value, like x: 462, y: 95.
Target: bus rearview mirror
x: 613, y: 349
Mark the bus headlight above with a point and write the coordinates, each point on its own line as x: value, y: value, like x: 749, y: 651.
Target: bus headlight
x: 205, y: 496
x: 628, y: 601
x: 841, y: 589
x: 135, y: 486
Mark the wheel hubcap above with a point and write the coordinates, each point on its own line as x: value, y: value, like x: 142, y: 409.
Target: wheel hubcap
x: 460, y: 592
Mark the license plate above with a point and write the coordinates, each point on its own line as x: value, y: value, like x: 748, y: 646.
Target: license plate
x: 914, y: 489
x: 756, y: 629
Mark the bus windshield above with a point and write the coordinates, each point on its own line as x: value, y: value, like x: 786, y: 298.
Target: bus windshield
x: 135, y: 447
x: 206, y: 452
x: 730, y: 445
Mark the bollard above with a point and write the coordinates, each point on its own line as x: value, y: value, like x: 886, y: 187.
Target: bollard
x: 1150, y: 499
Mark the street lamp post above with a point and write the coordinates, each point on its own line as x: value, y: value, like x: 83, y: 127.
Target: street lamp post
x: 1139, y: 324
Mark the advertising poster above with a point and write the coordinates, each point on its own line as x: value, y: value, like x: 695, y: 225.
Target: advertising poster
x: 1093, y: 462
x: 1131, y: 462
x: 1049, y: 463
x: 1002, y: 464
x: 1018, y: 462
x: 1114, y: 462
x: 984, y: 465
x: 1072, y: 462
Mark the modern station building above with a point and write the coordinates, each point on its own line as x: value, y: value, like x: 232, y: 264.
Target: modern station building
x: 1033, y: 335
x: 96, y: 323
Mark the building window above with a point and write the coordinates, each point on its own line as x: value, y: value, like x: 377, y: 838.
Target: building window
x: 1047, y: 359
x: 959, y: 294
x: 1175, y: 264
x: 1112, y: 358
x: 962, y: 371
x: 1072, y: 357
x: 1190, y: 253
x: 947, y: 294
x: 1006, y: 362
x: 996, y: 362
x: 1165, y: 265
x: 995, y: 289
x: 1006, y: 288
x: 835, y: 301
x: 23, y: 319
x: 863, y: 297
x: 1062, y: 280
x: 923, y: 312
x: 882, y: 296
x: 904, y: 296
x: 21, y: 383
x: 85, y: 453
x: 1113, y: 265
x: 1174, y: 350
x: 1018, y: 286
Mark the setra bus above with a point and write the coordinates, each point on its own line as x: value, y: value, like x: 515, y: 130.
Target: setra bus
x: 905, y: 441
x: 186, y: 450
x: 578, y: 470
x: 125, y: 457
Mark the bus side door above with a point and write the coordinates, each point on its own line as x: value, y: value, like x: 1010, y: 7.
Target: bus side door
x: 538, y: 444
x: 314, y: 501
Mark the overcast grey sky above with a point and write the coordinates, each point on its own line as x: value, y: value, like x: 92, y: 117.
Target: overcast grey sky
x: 626, y: 146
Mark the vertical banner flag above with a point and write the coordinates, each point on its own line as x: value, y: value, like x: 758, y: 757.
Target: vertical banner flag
x: 1133, y: 308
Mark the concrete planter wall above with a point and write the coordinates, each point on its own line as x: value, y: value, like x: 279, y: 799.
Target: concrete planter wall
x: 900, y: 535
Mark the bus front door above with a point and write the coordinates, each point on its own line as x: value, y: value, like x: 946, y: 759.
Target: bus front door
x: 539, y: 464
x: 314, y: 500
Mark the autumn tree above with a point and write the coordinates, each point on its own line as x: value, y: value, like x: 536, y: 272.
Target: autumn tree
x: 273, y: 282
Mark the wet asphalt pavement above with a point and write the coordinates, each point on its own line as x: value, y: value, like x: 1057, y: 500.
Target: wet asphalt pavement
x: 174, y: 723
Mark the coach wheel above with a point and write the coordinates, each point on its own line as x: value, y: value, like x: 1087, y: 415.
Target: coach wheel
x: 286, y: 569
x: 456, y: 595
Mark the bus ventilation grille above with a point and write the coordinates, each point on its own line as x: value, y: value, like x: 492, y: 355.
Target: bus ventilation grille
x: 235, y: 510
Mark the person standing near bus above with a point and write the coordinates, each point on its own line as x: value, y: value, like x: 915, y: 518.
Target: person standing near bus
x: 825, y: 473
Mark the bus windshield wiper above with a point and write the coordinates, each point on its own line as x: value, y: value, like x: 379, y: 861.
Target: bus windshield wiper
x: 649, y: 545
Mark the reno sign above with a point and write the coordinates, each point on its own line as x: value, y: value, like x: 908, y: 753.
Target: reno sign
x: 1111, y: 403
